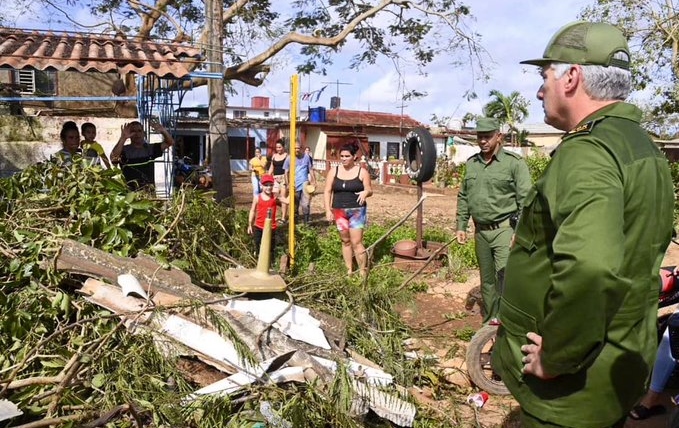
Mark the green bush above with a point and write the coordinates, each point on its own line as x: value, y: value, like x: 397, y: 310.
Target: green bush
x: 447, y: 173
x: 537, y: 162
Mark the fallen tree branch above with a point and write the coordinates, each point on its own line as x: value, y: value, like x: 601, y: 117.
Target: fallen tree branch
x: 114, y: 413
x: 417, y: 272
x: 260, y: 336
x: 44, y: 380
x: 394, y: 227
x: 55, y: 421
x: 175, y: 221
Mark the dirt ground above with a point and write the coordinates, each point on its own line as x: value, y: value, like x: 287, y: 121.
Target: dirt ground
x: 439, y: 316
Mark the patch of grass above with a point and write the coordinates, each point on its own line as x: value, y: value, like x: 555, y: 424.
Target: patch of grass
x: 465, y: 334
x: 460, y: 315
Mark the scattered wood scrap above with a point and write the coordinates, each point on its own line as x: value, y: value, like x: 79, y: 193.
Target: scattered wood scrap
x: 185, y: 319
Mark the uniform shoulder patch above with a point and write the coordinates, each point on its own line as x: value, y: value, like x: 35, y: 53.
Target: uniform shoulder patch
x: 583, y: 129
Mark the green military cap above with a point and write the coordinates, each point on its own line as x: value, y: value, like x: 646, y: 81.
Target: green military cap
x: 586, y: 43
x: 487, y: 124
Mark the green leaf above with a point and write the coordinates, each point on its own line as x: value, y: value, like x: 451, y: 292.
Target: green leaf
x: 98, y: 380
x: 142, y: 205
x: 14, y: 265
x: 55, y: 364
x: 111, y: 235
x: 28, y: 269
x: 18, y: 236
x: 159, y: 228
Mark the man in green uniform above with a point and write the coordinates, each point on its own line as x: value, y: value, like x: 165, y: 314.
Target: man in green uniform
x: 495, y: 184
x: 579, y: 307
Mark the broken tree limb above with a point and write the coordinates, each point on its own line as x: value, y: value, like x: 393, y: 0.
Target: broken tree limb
x: 395, y: 226
x: 55, y: 421
x: 245, y: 326
x: 82, y: 259
x: 425, y: 264
x: 114, y: 414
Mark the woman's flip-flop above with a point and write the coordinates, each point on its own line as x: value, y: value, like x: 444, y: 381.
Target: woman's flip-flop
x: 640, y: 411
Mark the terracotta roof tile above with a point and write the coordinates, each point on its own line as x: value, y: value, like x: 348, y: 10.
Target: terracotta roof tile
x: 89, y: 52
x: 369, y: 118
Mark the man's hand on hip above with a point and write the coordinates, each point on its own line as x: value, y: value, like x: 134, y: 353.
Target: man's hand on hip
x: 532, y: 361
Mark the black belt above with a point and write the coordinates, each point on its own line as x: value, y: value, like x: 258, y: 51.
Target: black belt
x: 492, y: 226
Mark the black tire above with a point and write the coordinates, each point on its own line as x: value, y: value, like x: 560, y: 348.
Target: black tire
x: 478, y: 362
x: 673, y: 420
x: 419, y: 151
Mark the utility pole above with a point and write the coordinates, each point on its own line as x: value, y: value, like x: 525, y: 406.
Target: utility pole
x: 400, y: 125
x: 220, y: 161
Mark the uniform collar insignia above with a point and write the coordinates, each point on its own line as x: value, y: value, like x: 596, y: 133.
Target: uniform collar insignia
x: 585, y: 128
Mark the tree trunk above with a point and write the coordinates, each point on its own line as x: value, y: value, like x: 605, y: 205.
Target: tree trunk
x: 220, y: 161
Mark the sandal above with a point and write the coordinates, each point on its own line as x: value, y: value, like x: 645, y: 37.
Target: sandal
x: 640, y: 412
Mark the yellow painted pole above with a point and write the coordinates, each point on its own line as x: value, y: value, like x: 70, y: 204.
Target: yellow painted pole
x: 294, y: 91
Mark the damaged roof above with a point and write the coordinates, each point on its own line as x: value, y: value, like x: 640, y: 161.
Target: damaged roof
x: 84, y: 52
x: 369, y: 118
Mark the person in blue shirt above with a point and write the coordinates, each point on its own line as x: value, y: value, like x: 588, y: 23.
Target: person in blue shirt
x: 304, y: 174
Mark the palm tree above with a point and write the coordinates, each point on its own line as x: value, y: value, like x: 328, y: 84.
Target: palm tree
x: 512, y: 110
x: 468, y: 117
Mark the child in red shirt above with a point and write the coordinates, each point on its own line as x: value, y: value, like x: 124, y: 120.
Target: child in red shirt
x: 261, y: 204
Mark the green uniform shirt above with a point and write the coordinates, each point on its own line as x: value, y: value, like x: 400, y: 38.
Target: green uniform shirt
x: 583, y: 273
x: 491, y: 192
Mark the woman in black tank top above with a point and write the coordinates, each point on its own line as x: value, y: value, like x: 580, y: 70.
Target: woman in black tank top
x: 276, y: 169
x: 346, y: 189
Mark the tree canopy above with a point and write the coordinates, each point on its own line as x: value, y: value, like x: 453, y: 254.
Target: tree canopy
x: 652, y: 27
x: 255, y: 31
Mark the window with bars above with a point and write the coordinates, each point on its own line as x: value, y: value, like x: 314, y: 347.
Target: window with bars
x: 393, y: 150
x: 36, y: 82
x: 374, y: 147
x: 239, y: 114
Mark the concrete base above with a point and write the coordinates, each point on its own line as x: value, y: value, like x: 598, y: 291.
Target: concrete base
x: 253, y: 281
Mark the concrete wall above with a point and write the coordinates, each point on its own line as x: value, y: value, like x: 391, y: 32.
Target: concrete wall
x: 462, y: 152
x: 17, y: 155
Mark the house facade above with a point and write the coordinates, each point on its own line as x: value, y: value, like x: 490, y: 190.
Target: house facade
x: 379, y: 135
x: 60, y: 89
x: 248, y: 127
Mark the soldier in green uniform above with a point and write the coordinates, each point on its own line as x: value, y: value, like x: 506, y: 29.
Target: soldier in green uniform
x: 495, y: 184
x: 579, y: 306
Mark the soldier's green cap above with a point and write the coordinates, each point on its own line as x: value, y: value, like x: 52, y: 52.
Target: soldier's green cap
x: 487, y: 124
x: 586, y: 43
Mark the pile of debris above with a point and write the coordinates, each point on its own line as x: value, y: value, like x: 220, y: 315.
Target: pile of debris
x: 253, y: 342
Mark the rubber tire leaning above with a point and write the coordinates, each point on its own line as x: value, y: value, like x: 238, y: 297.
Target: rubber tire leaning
x: 419, y: 141
x: 476, y: 371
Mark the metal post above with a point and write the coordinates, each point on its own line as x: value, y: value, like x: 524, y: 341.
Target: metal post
x: 418, y: 224
x: 294, y: 91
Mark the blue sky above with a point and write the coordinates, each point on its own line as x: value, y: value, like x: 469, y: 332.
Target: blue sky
x: 511, y: 30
